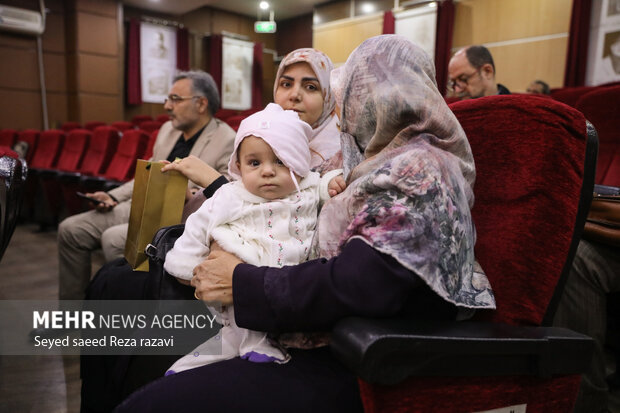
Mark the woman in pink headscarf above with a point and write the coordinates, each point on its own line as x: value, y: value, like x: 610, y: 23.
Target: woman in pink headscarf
x: 302, y: 85
x: 399, y: 241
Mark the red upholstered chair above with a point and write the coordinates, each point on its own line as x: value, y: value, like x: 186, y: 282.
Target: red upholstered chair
x: 131, y: 147
x: 249, y: 112
x: 45, y: 157
x: 93, y: 124
x: 535, y: 163
x: 570, y: 95
x: 150, y: 125
x: 48, y: 149
x: 8, y: 137
x: 70, y: 125
x: 224, y: 114
x: 103, y: 144
x: 122, y: 125
x: 451, y: 99
x: 235, y: 121
x: 149, y: 147
x: 12, y: 178
x: 138, y: 119
x: 70, y: 160
x: 163, y: 118
x: 30, y: 138
x: 601, y: 106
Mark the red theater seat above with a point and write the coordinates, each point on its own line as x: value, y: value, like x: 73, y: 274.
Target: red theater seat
x: 570, y: 95
x: 602, y: 107
x: 535, y: 162
x: 69, y: 126
x: 122, y: 125
x: 138, y: 119
x: 224, y: 114
x: 150, y: 125
x: 30, y: 137
x: 235, y: 121
x: 163, y: 118
x: 93, y: 124
x: 48, y: 149
x: 8, y: 137
x: 149, y: 147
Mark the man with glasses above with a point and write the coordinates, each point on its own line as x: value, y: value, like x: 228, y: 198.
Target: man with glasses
x: 471, y: 73
x: 192, y: 130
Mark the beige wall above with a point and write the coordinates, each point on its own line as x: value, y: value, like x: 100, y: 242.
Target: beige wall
x: 338, y: 39
x: 528, y: 38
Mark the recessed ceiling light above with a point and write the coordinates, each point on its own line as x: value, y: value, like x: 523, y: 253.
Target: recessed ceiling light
x: 263, y: 5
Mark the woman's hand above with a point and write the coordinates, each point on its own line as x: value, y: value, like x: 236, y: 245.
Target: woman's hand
x: 194, y: 169
x: 213, y: 277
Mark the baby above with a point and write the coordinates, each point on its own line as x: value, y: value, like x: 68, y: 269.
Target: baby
x: 266, y: 217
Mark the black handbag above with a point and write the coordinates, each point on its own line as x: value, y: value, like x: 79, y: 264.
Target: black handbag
x: 160, y: 284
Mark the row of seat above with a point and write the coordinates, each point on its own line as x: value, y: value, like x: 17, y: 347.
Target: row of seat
x: 63, y: 163
x: 144, y: 122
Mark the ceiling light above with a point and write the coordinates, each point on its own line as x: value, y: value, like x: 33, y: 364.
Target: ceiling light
x: 368, y: 8
x: 263, y: 5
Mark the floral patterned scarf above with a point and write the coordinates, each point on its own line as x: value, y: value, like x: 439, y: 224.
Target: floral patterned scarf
x: 409, y: 171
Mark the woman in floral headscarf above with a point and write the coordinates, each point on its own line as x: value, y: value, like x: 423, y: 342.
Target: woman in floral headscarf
x: 398, y: 241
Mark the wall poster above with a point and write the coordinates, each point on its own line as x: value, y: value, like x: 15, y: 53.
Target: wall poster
x: 237, y: 60
x: 158, y: 60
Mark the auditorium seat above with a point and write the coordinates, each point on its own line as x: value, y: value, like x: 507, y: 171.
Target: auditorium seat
x: 163, y: 118
x: 248, y: 112
x: 70, y: 125
x: 123, y: 164
x: 8, y: 137
x: 30, y: 137
x: 93, y: 124
x: 103, y: 144
x: 570, y: 95
x: 69, y: 161
x: 601, y: 106
x: 13, y: 173
x: 44, y: 158
x: 535, y: 160
x: 149, y: 148
x: 224, y: 114
x: 235, y: 121
x: 122, y: 125
x: 138, y: 119
x: 150, y: 125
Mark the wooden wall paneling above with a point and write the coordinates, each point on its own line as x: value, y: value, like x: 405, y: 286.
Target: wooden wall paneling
x: 23, y: 110
x: 19, y: 68
x: 102, y: 74
x: 269, y: 76
x: 96, y: 34
x: 57, y: 108
x: 293, y: 34
x: 55, y: 72
x: 54, y: 36
x: 549, y: 56
x: 485, y: 21
x: 103, y: 8
x: 339, y: 39
x: 99, y: 107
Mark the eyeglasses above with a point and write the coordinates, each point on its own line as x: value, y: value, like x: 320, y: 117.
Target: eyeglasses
x: 461, y: 81
x: 174, y: 99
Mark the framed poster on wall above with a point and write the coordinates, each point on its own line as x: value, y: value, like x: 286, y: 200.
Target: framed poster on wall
x: 158, y: 59
x: 237, y: 60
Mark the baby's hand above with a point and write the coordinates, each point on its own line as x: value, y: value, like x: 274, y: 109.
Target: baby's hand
x: 336, y: 185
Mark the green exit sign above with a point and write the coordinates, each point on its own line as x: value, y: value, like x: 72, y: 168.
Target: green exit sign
x: 265, y: 27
